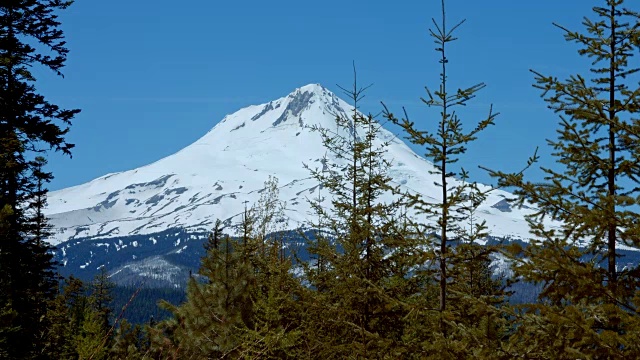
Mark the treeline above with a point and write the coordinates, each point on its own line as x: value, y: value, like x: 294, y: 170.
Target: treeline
x: 376, y: 282
x: 140, y: 302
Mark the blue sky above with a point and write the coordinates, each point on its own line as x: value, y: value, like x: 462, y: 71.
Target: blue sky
x: 151, y: 77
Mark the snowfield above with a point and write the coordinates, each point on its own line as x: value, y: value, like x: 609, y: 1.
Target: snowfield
x: 225, y: 170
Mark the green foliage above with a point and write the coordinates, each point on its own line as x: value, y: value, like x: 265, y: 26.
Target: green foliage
x: 277, y: 311
x: 61, y: 334
x: 239, y: 303
x: 129, y: 343
x: 90, y: 342
x: 8, y: 329
x: 143, y: 308
x: 30, y: 37
x: 96, y: 335
x: 101, y: 299
x: 469, y: 322
x: 361, y: 248
x: 588, y: 304
x: 207, y: 322
x: 80, y: 320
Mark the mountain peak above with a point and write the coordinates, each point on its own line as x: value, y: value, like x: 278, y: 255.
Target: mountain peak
x: 311, y: 88
x: 310, y: 102
x: 223, y: 171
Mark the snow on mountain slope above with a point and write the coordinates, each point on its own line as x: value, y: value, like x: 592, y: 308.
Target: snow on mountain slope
x: 224, y: 171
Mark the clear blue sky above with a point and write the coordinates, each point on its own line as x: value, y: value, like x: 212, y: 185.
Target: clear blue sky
x: 151, y: 77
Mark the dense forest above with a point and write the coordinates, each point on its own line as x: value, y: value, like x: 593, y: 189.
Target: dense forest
x: 373, y: 282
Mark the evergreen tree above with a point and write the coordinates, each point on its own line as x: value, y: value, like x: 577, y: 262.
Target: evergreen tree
x: 462, y: 268
x: 215, y: 237
x: 220, y: 307
x: 29, y: 124
x: 40, y: 229
x: 7, y: 328
x: 95, y: 335
x: 234, y: 305
x: 76, y: 298
x: 66, y: 316
x: 58, y: 336
x: 356, y: 244
x: 278, y: 307
x: 101, y: 299
x: 91, y: 343
x: 128, y: 342
x: 588, y: 304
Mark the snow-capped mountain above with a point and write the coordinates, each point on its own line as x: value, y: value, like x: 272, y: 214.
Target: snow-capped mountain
x: 149, y: 223
x: 222, y: 172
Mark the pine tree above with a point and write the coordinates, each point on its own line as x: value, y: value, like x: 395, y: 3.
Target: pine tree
x: 95, y: 335
x: 277, y: 298
x: 215, y: 237
x: 90, y: 344
x: 58, y: 337
x: 218, y: 305
x: 588, y: 304
x: 355, y: 245
x: 29, y: 124
x: 278, y: 306
x: 461, y: 267
x: 244, y: 302
x: 8, y: 329
x: 66, y: 316
x: 128, y: 342
x: 40, y: 228
x: 101, y: 298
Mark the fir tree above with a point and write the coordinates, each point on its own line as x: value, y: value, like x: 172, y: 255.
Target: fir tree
x: 39, y: 228
x: 462, y: 268
x: 278, y: 307
x: 215, y: 237
x: 128, y: 342
x: 356, y: 243
x: 59, y: 335
x: 219, y: 310
x: 29, y: 124
x: 589, y: 303
x: 244, y: 302
x: 101, y: 298
x: 8, y: 329
x: 90, y: 345
x: 95, y: 335
x: 66, y: 316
